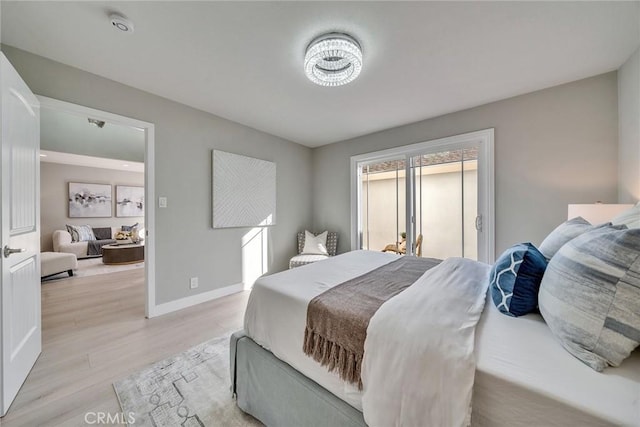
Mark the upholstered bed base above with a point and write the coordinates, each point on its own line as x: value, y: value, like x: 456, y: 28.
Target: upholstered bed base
x: 278, y: 395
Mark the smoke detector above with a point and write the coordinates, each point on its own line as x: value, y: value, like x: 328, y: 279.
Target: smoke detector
x: 121, y: 23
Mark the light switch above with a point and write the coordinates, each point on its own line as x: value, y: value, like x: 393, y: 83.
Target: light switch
x: 162, y: 202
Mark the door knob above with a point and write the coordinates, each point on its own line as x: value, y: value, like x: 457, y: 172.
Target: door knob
x: 10, y: 251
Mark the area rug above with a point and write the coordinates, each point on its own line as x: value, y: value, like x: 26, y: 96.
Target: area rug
x: 189, y: 389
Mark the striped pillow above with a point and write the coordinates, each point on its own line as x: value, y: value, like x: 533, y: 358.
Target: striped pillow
x: 562, y: 234
x: 81, y: 233
x: 590, y: 295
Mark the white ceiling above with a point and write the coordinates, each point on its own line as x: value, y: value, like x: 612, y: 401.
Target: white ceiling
x: 243, y: 60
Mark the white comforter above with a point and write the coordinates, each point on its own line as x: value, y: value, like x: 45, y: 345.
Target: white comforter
x: 419, y: 364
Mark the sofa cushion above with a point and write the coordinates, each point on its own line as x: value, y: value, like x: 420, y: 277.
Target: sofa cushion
x: 81, y: 233
x: 102, y: 233
x: 129, y: 228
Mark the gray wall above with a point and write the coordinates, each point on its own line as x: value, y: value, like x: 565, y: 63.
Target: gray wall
x: 186, y: 244
x: 629, y: 129
x: 54, y: 195
x: 552, y: 147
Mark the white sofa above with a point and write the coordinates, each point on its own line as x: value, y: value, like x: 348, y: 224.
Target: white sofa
x: 62, y: 243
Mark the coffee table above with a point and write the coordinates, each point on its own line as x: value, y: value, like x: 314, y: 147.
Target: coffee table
x: 122, y: 254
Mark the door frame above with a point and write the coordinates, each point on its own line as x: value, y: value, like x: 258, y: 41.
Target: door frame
x: 486, y: 197
x: 149, y: 183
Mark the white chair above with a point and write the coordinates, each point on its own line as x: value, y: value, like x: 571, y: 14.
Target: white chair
x: 303, y: 259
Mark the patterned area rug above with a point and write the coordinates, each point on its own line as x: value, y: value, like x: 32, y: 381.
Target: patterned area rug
x: 189, y: 389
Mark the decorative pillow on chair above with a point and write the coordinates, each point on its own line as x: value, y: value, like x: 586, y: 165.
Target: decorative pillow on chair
x: 590, y: 295
x: 630, y: 217
x: 81, y: 233
x: 515, y: 279
x: 315, y: 245
x: 562, y: 234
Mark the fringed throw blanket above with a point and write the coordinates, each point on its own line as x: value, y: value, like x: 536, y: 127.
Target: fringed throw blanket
x: 94, y: 247
x: 337, y: 319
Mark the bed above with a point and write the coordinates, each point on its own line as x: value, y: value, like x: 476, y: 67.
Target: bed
x: 523, y: 375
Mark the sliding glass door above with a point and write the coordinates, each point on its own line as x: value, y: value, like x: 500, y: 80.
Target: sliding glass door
x: 383, y: 203
x: 446, y: 203
x: 442, y: 210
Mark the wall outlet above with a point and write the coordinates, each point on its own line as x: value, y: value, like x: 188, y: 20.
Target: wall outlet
x: 193, y: 282
x: 162, y: 202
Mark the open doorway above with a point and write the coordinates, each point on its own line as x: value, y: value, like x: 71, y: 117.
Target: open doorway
x: 97, y: 209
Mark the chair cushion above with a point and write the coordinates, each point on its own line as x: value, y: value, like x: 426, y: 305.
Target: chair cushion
x: 515, y: 279
x: 300, y: 260
x: 590, y: 295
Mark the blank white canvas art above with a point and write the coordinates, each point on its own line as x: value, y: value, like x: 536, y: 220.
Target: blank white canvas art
x: 244, y: 191
x: 129, y: 201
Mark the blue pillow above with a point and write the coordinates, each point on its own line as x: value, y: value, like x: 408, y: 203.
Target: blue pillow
x: 515, y: 279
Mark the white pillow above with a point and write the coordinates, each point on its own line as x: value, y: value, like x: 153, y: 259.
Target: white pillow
x: 315, y: 245
x: 630, y: 217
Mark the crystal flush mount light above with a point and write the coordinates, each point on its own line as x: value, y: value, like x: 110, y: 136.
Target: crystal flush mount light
x: 333, y: 59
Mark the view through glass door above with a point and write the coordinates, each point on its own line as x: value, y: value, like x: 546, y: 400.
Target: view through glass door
x: 384, y: 205
x: 446, y: 203
x: 443, y: 209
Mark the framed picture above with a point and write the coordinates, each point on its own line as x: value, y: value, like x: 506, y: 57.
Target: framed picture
x: 89, y: 200
x: 129, y: 201
x: 244, y: 191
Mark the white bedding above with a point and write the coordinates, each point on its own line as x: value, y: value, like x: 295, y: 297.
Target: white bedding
x: 418, y: 365
x: 277, y: 312
x: 522, y: 371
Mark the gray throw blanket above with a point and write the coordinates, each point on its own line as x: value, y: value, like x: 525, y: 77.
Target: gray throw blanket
x: 338, y: 318
x: 94, y: 247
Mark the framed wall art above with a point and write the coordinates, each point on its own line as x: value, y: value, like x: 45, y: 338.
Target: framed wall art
x: 129, y: 201
x: 89, y: 200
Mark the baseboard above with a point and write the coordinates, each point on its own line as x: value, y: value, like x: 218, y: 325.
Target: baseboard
x: 181, y: 303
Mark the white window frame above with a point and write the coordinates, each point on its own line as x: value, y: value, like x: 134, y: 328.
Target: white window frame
x: 486, y: 202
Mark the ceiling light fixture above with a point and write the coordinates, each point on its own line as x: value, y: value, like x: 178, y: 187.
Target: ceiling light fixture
x: 96, y: 122
x: 121, y: 23
x: 333, y: 59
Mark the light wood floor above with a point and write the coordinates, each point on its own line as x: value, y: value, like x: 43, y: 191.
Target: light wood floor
x: 94, y: 332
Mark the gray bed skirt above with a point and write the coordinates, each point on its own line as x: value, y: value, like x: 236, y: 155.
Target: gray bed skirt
x: 278, y: 395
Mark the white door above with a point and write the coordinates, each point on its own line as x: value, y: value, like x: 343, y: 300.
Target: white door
x: 19, y: 233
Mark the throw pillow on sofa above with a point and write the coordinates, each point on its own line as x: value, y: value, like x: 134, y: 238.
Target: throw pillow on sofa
x: 515, y: 279
x: 590, y: 295
x: 81, y: 233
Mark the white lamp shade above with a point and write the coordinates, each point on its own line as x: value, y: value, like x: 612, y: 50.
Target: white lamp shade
x: 597, y: 213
